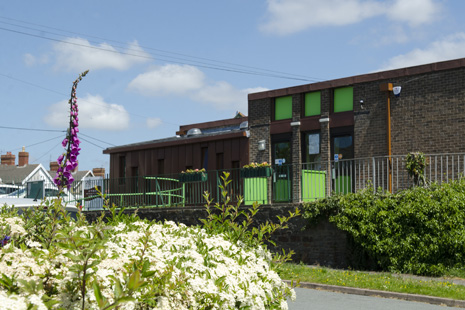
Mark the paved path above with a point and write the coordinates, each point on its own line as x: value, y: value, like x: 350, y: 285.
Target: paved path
x: 312, y: 299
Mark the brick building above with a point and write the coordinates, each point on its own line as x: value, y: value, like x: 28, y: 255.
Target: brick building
x: 320, y: 131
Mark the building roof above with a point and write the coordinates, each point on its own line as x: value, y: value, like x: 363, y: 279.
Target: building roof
x: 16, y: 174
x: 79, y: 175
x: 208, y: 133
x: 364, y: 78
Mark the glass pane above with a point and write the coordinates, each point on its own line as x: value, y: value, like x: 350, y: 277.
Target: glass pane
x: 312, y: 148
x: 344, y: 147
x: 283, y: 151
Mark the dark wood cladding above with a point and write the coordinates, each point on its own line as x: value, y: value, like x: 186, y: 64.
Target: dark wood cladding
x: 173, y: 142
x: 176, y: 157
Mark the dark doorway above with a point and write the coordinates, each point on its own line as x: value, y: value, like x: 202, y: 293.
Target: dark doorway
x: 282, y: 161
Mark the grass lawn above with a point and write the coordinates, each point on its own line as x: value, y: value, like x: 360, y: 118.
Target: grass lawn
x: 439, y: 287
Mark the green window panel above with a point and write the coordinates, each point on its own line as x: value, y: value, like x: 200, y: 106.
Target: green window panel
x: 343, y: 99
x: 283, y: 108
x: 313, y: 103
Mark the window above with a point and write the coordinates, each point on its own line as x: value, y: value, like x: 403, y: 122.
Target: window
x: 205, y: 157
x: 312, y: 103
x: 343, y: 99
x: 219, y: 161
x: 311, y: 148
x: 161, y: 166
x: 283, y: 108
x: 344, y: 147
x: 122, y: 169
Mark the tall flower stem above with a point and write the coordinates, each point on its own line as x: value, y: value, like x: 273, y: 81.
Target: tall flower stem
x: 68, y: 160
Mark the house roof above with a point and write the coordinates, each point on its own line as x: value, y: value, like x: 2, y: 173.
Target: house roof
x: 370, y: 77
x: 16, y: 174
x: 78, y: 175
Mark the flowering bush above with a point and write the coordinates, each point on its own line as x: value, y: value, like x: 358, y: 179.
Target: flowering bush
x: 194, y: 170
x: 54, y: 262
x: 257, y: 165
x: 68, y: 160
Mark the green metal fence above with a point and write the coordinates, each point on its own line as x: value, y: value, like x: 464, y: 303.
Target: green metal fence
x: 276, y: 184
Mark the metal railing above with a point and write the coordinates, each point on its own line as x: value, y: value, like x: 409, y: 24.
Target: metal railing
x: 285, y: 183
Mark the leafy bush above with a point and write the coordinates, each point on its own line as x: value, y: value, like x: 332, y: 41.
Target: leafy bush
x: 238, y: 225
x: 419, y: 231
x: 53, y: 262
x: 416, y: 165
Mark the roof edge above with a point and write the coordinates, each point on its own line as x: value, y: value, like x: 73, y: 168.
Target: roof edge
x: 363, y: 78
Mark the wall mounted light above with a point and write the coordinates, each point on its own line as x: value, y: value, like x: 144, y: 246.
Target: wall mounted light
x: 361, y: 105
x: 261, y: 145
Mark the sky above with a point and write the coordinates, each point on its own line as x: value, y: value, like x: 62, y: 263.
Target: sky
x: 156, y: 65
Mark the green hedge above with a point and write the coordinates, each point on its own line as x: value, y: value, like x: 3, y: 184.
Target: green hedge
x: 418, y: 231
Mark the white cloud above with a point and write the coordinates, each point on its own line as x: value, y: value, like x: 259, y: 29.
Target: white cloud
x: 153, y: 122
x: 94, y: 113
x: 77, y: 54
x: 169, y: 79
x: 189, y: 81
x: 413, y: 12
x: 31, y: 60
x: 451, y: 47
x: 224, y: 96
x: 289, y: 16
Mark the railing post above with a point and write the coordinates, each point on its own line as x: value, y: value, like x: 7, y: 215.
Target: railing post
x: 374, y: 172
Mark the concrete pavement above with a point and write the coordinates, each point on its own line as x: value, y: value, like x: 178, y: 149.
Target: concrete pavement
x: 317, y: 299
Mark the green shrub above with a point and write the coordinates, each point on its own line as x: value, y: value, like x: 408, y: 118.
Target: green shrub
x: 418, y: 231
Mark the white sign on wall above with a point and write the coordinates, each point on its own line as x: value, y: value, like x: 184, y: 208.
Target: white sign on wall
x: 314, y: 144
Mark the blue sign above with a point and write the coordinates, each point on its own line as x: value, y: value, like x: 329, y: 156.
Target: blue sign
x: 336, y: 157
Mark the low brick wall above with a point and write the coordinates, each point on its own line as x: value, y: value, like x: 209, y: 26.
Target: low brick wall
x: 322, y: 244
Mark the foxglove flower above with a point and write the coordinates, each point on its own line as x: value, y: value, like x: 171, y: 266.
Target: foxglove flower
x: 68, y: 160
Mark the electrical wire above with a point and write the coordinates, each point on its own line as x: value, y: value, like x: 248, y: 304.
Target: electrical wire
x: 63, y: 94
x: 81, y: 134
x: 275, y: 74
x: 32, y: 129
x: 92, y: 143
x: 145, y: 47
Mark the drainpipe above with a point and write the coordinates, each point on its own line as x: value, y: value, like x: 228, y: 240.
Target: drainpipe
x: 387, y: 87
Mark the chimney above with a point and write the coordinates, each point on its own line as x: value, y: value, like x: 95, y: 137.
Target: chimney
x: 54, y: 166
x: 8, y: 159
x: 99, y: 172
x: 23, y: 158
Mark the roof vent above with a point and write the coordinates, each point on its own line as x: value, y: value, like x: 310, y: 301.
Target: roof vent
x: 194, y: 132
x: 244, y: 125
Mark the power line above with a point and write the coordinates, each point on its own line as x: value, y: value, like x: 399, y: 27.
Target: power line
x: 81, y: 134
x: 145, y: 47
x: 261, y: 72
x: 92, y: 143
x: 41, y: 142
x: 32, y: 129
x: 63, y: 94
